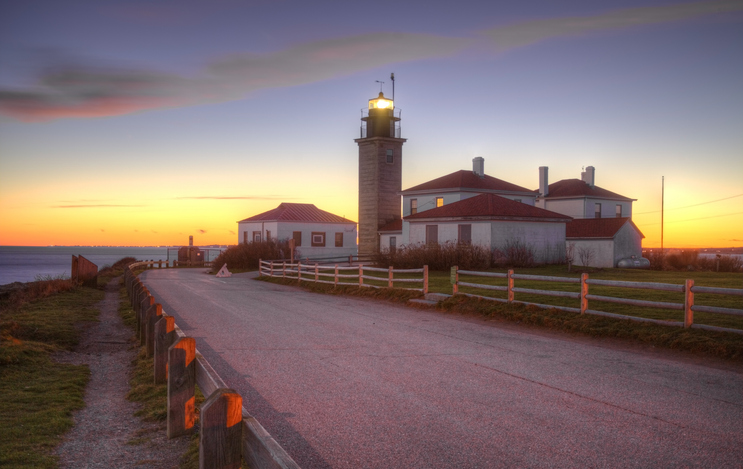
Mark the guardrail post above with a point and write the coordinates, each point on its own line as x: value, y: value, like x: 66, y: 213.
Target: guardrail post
x: 220, y: 443
x: 164, y: 338
x: 146, y: 304
x: 154, y: 313
x: 361, y: 275
x: 181, y: 383
x: 389, y: 277
x: 335, y: 279
x: 583, y: 293
x: 425, y: 279
x: 509, y: 278
x: 688, y: 303
x: 455, y: 280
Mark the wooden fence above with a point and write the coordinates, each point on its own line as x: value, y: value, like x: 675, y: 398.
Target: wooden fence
x: 228, y: 433
x: 339, y: 275
x: 688, y: 290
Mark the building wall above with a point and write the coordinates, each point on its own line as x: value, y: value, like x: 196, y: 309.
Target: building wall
x: 602, y: 252
x: 428, y: 201
x: 379, y: 186
x: 627, y: 243
x: 584, y: 207
x: 285, y: 230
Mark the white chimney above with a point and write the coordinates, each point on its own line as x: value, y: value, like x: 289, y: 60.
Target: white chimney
x: 543, y: 181
x: 589, y: 176
x: 478, y: 166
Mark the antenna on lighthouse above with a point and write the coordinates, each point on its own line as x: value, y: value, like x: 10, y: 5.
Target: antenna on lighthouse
x: 392, y: 77
x: 381, y: 84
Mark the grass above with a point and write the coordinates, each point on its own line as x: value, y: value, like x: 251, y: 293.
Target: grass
x: 719, y: 344
x: 40, y: 395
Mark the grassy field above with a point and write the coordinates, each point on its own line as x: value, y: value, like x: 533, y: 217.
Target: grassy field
x: 40, y: 395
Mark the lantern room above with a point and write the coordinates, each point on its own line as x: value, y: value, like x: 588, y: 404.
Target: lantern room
x: 382, y: 120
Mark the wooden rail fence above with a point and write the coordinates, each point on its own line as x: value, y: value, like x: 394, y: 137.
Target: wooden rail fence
x: 228, y: 433
x: 334, y: 274
x: 688, y: 290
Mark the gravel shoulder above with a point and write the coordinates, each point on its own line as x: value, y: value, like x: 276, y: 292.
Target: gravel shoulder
x: 106, y: 432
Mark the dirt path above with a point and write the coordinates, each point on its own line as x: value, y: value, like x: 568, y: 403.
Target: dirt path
x: 106, y: 432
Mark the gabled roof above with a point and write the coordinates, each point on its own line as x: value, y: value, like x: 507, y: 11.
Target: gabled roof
x: 597, y: 227
x: 461, y: 180
x: 490, y: 206
x: 298, y: 213
x: 392, y: 227
x: 571, y: 188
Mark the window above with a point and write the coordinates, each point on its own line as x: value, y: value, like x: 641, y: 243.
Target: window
x: 597, y: 207
x: 390, y: 156
x: 619, y: 211
x: 517, y: 200
x: 268, y: 235
x: 339, y: 240
x: 393, y: 244
x: 413, y: 206
x: 318, y: 239
x: 465, y: 234
x: 297, y: 237
x: 256, y: 236
x: 439, y: 201
x: 432, y: 234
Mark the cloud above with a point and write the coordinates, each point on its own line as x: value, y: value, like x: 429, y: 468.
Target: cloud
x: 202, y: 231
x: 76, y: 90
x: 228, y: 197
x: 96, y: 206
x: 530, y: 32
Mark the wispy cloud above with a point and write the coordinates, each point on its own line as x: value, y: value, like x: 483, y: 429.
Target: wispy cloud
x: 95, y: 91
x: 241, y: 197
x: 96, y: 206
x: 530, y: 32
x: 202, y: 231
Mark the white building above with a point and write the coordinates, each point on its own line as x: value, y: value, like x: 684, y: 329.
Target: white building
x: 317, y: 234
x: 603, y: 242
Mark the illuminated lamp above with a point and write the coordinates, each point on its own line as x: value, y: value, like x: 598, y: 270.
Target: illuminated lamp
x: 381, y: 102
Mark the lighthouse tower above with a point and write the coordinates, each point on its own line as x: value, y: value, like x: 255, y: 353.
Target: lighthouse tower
x: 380, y: 171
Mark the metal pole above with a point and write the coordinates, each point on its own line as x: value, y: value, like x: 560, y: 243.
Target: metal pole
x: 662, y: 207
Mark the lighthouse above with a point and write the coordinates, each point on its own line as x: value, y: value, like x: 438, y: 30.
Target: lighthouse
x: 380, y: 171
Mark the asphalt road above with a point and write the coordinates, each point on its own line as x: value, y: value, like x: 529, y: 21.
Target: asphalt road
x: 349, y: 383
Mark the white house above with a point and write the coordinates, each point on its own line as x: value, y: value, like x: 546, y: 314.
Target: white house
x: 316, y: 233
x: 581, y: 198
x: 492, y: 221
x: 603, y: 242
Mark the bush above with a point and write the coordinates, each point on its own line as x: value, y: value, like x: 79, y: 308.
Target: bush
x: 246, y: 256
x: 435, y: 256
x: 657, y: 259
x: 515, y: 253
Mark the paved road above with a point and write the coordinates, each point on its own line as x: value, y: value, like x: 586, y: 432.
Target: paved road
x: 348, y: 383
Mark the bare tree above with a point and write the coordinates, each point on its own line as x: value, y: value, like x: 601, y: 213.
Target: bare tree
x: 570, y: 255
x: 586, y: 255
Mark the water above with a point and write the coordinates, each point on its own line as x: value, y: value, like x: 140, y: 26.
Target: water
x: 24, y: 264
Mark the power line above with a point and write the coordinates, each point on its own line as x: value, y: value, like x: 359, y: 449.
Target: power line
x: 690, y: 206
x: 695, y: 219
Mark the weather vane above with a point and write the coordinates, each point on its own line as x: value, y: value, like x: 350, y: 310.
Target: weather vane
x: 381, y: 84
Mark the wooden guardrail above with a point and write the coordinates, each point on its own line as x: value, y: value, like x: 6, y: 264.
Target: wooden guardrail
x: 228, y: 433
x: 688, y: 290
x: 333, y: 274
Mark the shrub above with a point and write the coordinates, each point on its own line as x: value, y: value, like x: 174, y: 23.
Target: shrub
x: 514, y: 253
x: 246, y: 256
x: 657, y: 259
x: 435, y: 256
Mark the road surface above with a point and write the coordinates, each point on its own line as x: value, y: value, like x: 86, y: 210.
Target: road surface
x: 348, y: 383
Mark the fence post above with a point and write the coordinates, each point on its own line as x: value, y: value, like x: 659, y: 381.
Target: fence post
x: 583, y: 293
x: 425, y: 279
x: 299, y: 271
x: 154, y: 313
x: 271, y: 264
x: 454, y: 280
x: 688, y: 303
x: 335, y: 280
x: 220, y: 443
x: 509, y: 278
x: 389, y: 277
x: 283, y: 269
x: 164, y: 337
x: 146, y: 305
x: 317, y: 273
x: 181, y: 383
x: 361, y: 275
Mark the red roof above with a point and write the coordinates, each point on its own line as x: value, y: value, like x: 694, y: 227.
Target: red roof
x: 468, y: 180
x: 298, y: 213
x: 392, y: 226
x: 578, y: 188
x: 597, y: 227
x: 490, y: 206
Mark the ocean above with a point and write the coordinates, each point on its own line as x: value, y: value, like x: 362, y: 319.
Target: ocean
x: 25, y: 264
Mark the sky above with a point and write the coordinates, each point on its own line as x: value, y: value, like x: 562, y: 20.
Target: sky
x: 143, y: 122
